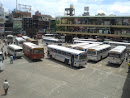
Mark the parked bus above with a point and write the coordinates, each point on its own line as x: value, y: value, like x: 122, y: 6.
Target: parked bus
x: 19, y: 41
x: 32, y: 41
x: 10, y: 38
x: 50, y: 35
x: 49, y: 40
x: 117, y: 55
x: 1, y: 61
x: 15, y: 49
x: 39, y: 36
x: 86, y: 47
x: 89, y: 39
x: 73, y: 46
x: 67, y: 55
x: 25, y: 37
x: 33, y: 51
x: 98, y: 52
x: 90, y: 42
x: 114, y: 44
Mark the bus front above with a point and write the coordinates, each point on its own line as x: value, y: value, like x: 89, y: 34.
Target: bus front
x: 82, y: 60
x: 92, y: 55
x: 38, y: 53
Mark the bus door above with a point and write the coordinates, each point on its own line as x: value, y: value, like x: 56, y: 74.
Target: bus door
x: 72, y: 59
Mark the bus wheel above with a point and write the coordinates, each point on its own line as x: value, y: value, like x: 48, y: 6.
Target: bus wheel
x: 66, y: 61
x: 51, y: 56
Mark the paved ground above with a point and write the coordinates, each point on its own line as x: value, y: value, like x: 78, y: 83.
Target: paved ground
x: 48, y: 78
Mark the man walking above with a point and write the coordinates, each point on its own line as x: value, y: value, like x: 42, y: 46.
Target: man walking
x: 11, y: 59
x: 15, y: 56
x: 5, y: 55
x: 6, y: 86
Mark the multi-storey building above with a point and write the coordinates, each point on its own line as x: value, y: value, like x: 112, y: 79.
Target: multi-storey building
x: 30, y: 25
x: 94, y: 26
x: 2, y: 19
x: 43, y: 21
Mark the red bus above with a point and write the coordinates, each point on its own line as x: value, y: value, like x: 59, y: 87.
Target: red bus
x: 39, y: 36
x: 32, y: 41
x: 33, y: 51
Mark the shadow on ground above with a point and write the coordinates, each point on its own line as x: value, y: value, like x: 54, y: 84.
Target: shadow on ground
x: 113, y: 65
x: 126, y: 88
x: 62, y: 63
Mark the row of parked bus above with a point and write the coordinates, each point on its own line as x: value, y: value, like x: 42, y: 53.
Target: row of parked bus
x: 20, y: 40
x: 78, y: 54
x: 31, y: 50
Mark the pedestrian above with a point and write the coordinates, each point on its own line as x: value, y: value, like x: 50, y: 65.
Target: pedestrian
x: 126, y: 57
x: 15, y: 56
x: 5, y: 55
x: 11, y: 59
x: 6, y: 86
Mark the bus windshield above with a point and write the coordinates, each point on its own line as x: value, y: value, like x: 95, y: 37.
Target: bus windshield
x: 83, y: 56
x: 91, y: 52
x: 21, y: 42
x: 114, y: 55
x: 19, y: 50
x: 37, y: 51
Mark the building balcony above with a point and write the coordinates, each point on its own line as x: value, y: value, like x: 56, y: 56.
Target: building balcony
x: 87, y: 25
x: 97, y: 34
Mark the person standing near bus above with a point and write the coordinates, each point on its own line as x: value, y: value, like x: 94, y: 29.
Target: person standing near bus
x: 15, y: 56
x: 6, y: 86
x: 11, y: 59
x: 5, y: 55
x: 126, y: 57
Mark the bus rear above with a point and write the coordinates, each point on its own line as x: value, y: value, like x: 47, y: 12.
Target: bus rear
x: 38, y: 53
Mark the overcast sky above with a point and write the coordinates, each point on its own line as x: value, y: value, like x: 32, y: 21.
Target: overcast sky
x: 56, y: 7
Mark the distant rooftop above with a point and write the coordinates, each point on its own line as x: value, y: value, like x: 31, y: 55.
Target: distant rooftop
x: 90, y: 16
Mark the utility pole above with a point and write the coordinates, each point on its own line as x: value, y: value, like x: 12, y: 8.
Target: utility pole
x: 16, y: 4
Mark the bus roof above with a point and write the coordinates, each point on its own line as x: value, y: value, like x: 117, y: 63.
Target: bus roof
x: 20, y: 39
x: 9, y: 35
x: 88, y: 46
x: 65, y: 49
x: 51, y: 39
x: 31, y: 39
x: 31, y: 45
x: 89, y: 39
x: 76, y: 45
x: 25, y: 37
x: 90, y: 42
x: 117, y: 49
x: 114, y: 42
x: 100, y: 47
x: 15, y: 46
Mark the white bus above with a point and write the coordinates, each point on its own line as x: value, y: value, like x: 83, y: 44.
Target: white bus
x: 19, y: 41
x: 1, y: 61
x: 67, y: 55
x: 50, y: 35
x: 98, y: 52
x: 89, y: 39
x: 15, y: 49
x: 25, y: 37
x: 117, y: 55
x: 50, y: 40
x: 114, y: 44
x: 10, y: 38
x: 86, y: 47
x: 73, y: 46
x: 90, y: 42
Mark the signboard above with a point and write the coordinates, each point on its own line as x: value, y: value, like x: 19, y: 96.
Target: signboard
x: 86, y: 8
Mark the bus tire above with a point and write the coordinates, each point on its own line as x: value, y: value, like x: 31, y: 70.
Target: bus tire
x: 66, y: 62
x: 51, y: 56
